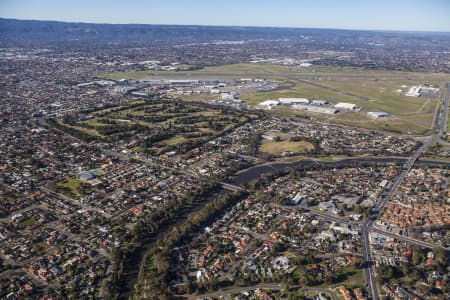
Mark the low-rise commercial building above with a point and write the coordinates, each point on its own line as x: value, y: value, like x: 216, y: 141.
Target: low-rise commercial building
x: 290, y: 101
x: 347, y: 106
x: 316, y: 109
x: 378, y: 114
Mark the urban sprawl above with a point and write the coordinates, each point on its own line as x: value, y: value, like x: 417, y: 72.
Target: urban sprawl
x: 160, y: 188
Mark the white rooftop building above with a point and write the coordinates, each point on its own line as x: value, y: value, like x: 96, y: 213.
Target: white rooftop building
x: 418, y: 91
x: 429, y: 89
x: 290, y: 101
x: 319, y: 102
x: 299, y: 197
x: 347, y: 106
x: 414, y: 91
x: 227, y: 97
x: 316, y: 109
x: 269, y: 104
x: 378, y: 114
x: 105, y: 82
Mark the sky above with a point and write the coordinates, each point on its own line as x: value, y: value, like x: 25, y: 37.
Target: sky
x: 408, y: 15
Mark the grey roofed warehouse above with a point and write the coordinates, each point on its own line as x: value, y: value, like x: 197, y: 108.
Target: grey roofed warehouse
x: 378, y: 114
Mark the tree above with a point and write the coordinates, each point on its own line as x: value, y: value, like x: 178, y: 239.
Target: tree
x: 385, y: 272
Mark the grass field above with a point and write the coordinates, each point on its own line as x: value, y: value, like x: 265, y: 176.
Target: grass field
x: 85, y: 130
x: 370, y: 89
x: 448, y: 124
x: 284, y: 144
x: 274, y: 147
x: 28, y: 222
x: 349, y: 276
x: 70, y: 186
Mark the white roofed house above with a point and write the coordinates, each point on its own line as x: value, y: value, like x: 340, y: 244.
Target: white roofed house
x: 280, y: 263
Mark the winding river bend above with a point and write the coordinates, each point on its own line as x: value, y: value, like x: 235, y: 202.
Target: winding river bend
x: 257, y: 171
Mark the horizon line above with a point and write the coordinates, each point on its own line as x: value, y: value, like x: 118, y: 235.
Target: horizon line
x: 241, y: 26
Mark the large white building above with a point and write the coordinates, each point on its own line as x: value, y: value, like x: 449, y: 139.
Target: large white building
x: 316, y: 109
x: 378, y: 114
x: 269, y: 104
x: 319, y: 102
x: 347, y: 106
x: 290, y: 101
x: 227, y: 97
x: 414, y: 91
x: 428, y: 89
x: 418, y: 91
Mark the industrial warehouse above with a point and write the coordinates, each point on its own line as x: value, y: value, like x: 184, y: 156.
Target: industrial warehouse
x: 316, y: 106
x: 378, y: 114
x: 316, y: 109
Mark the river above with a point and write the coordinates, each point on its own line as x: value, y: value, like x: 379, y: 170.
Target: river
x: 257, y: 171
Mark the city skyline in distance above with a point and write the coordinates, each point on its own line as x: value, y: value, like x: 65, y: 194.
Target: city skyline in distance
x: 400, y: 15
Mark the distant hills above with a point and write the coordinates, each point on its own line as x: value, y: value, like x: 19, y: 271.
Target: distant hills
x: 58, y: 31
x: 29, y: 32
